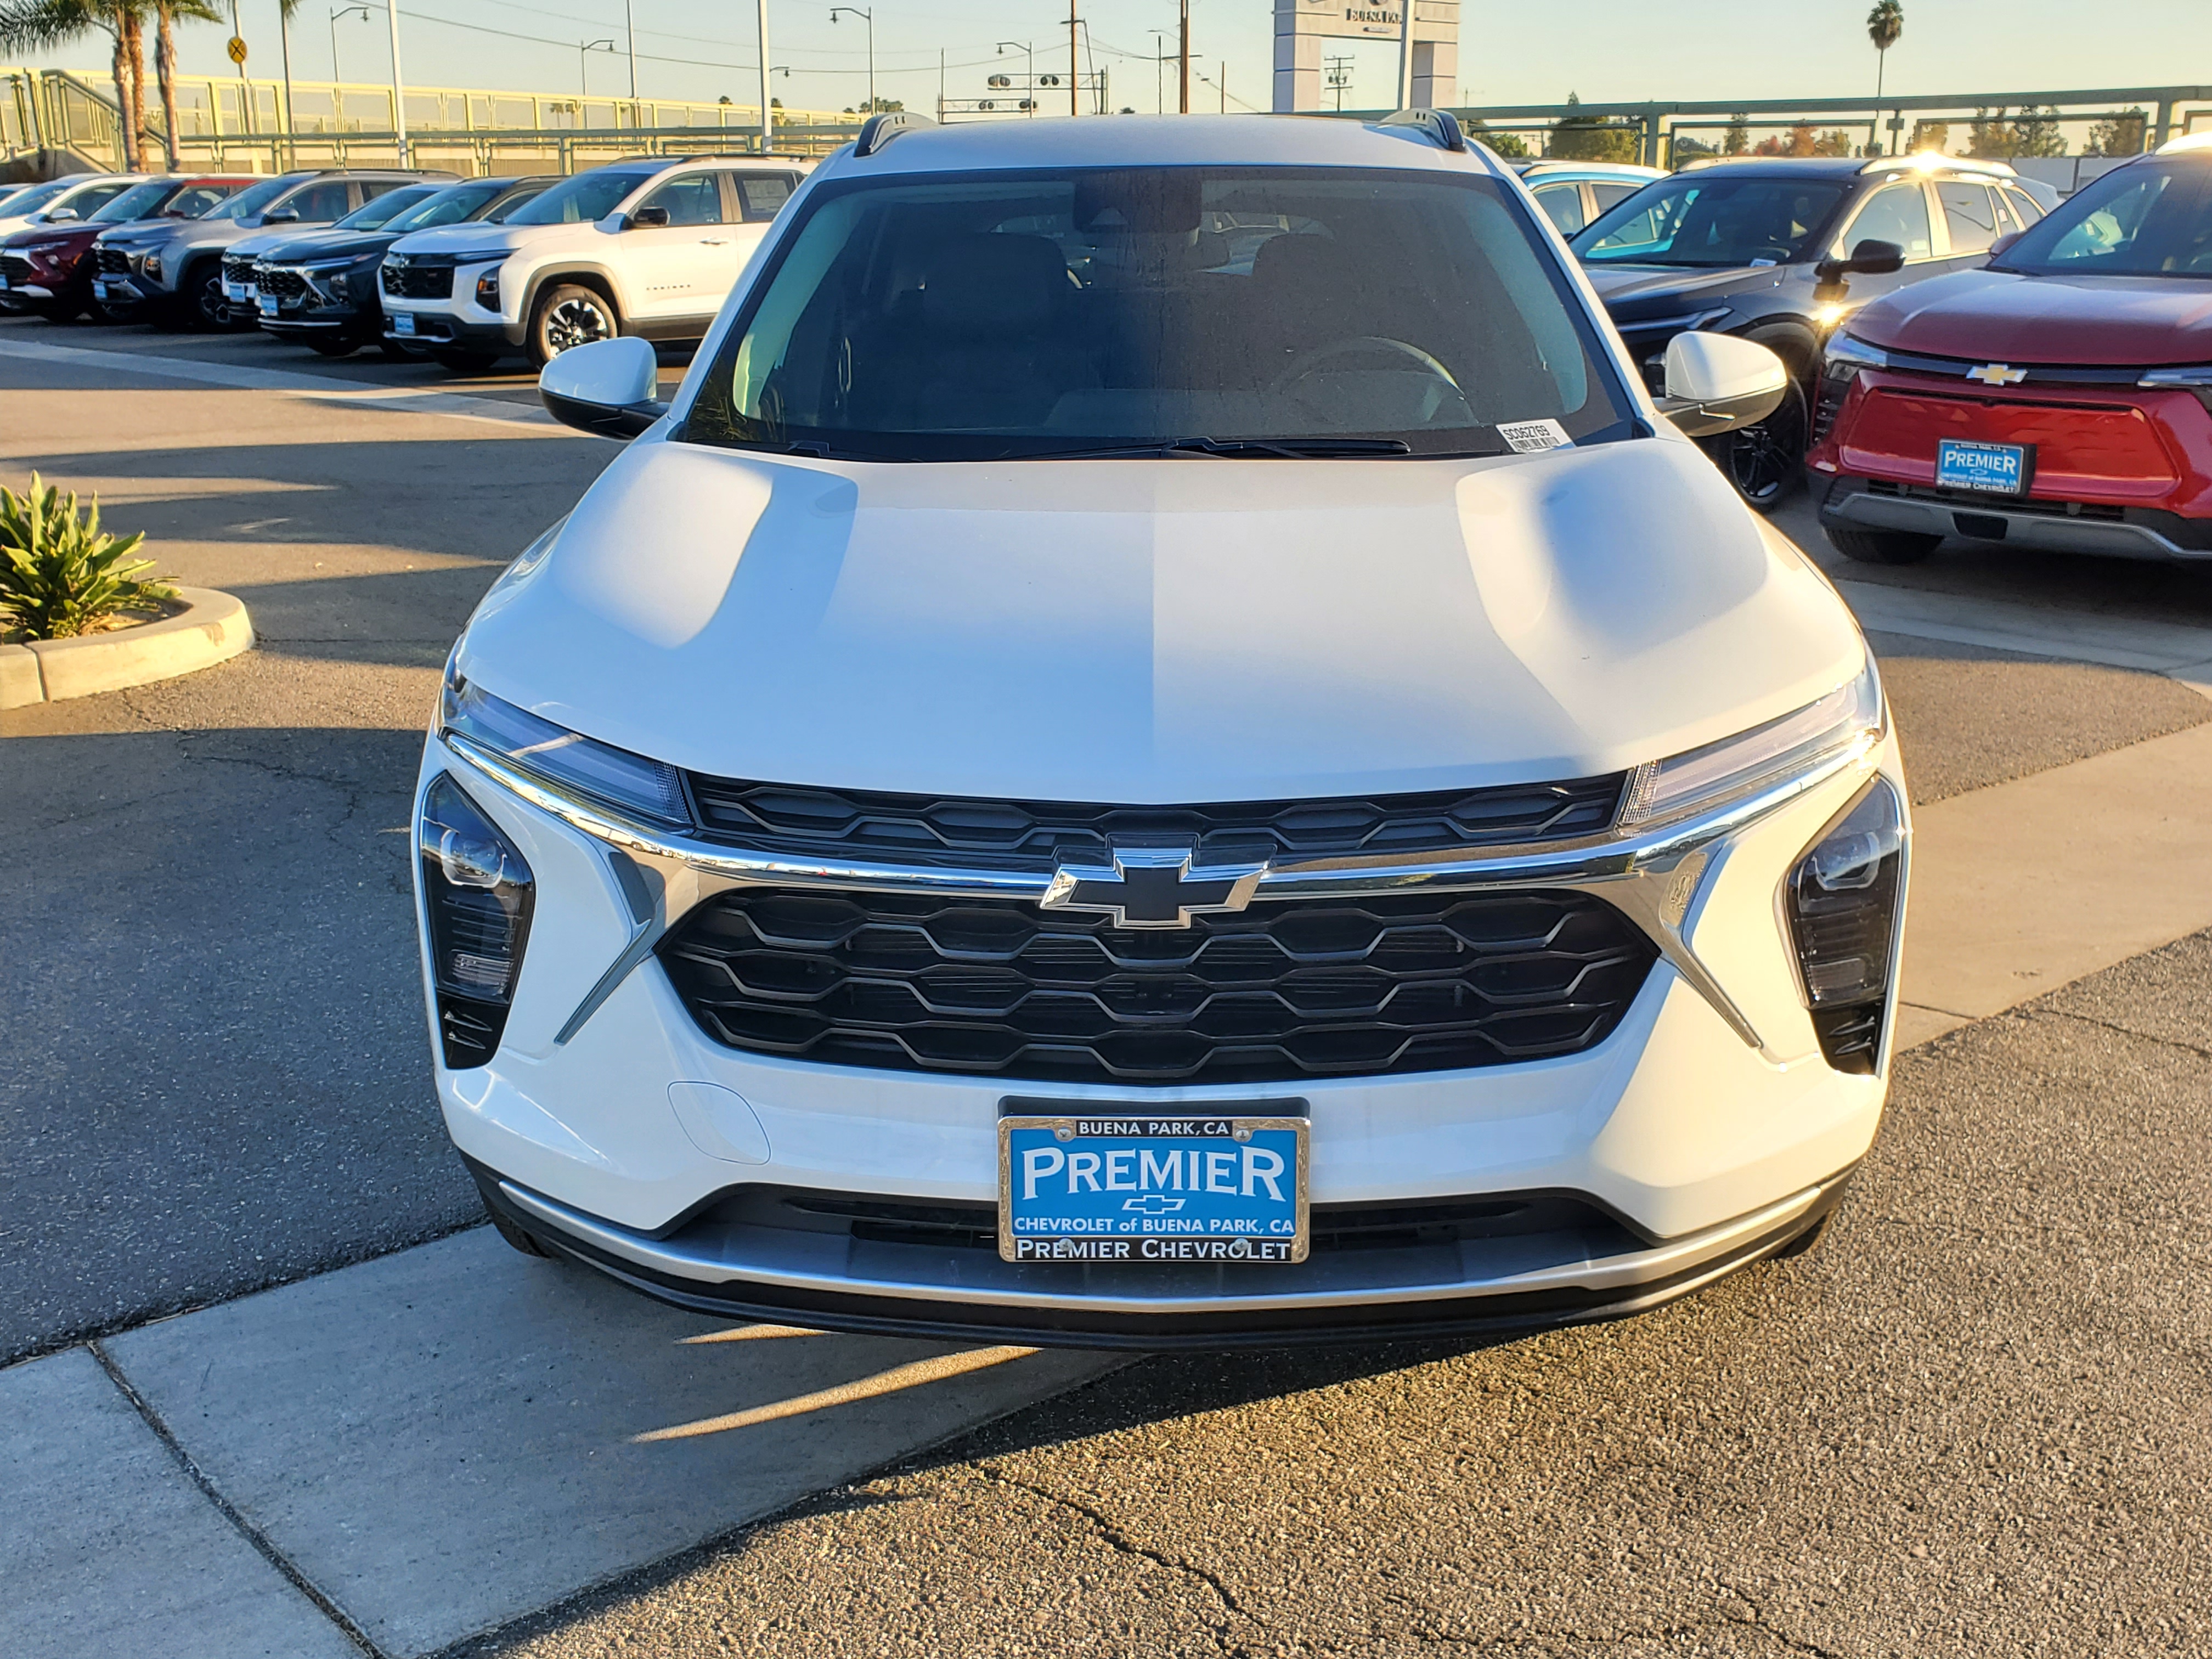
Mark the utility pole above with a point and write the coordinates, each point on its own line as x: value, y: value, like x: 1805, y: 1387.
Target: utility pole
x: 1182, y: 106
x: 1404, y: 54
x: 284, y: 40
x: 398, y: 85
x: 1074, y: 66
x: 767, y: 121
x: 629, y: 35
x: 1340, y: 76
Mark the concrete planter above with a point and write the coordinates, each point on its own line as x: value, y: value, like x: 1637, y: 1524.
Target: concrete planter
x: 209, y: 627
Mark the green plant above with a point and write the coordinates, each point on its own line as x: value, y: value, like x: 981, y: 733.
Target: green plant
x: 60, y: 574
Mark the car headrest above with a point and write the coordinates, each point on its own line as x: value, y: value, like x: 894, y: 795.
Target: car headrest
x: 993, y: 284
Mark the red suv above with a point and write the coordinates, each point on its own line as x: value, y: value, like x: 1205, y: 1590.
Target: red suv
x: 51, y: 267
x: 2060, y: 398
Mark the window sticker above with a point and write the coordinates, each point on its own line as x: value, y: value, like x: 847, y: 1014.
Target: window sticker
x: 1532, y: 437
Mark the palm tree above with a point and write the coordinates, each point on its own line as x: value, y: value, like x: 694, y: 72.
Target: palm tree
x: 1884, y: 24
x: 35, y: 25
x: 166, y: 14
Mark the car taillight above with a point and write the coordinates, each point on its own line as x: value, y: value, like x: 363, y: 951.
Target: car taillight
x: 1843, y: 899
x: 476, y: 893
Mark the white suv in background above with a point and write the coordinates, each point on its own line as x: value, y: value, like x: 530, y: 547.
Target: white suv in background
x: 648, y: 247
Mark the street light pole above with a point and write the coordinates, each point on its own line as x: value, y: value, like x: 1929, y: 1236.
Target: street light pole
x: 584, y: 69
x: 629, y: 34
x: 1182, y: 103
x: 1074, y: 65
x: 398, y: 84
x: 343, y: 11
x: 768, y: 117
x: 1404, y: 54
x: 284, y: 40
x: 1028, y: 92
x: 870, y: 17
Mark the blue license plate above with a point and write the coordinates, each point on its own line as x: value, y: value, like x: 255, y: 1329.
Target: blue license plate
x: 268, y: 305
x: 1985, y: 469
x: 403, y: 322
x: 1149, y: 1189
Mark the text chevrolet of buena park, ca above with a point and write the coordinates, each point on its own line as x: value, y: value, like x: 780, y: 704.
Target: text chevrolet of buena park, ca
x: 1152, y: 1189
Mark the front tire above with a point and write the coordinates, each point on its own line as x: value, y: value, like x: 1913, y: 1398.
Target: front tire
x: 206, y: 312
x: 567, y: 315
x: 1882, y: 546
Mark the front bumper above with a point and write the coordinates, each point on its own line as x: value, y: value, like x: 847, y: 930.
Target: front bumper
x: 434, y: 329
x: 1706, y: 1131
x: 2133, y: 532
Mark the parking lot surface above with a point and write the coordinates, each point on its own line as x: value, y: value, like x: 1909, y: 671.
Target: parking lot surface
x: 1969, y: 1422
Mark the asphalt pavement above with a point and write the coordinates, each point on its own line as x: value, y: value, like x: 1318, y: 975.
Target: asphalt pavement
x: 1971, y: 1422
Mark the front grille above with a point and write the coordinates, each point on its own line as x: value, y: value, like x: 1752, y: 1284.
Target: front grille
x: 1972, y: 502
x: 1038, y: 835
x: 280, y: 283
x: 235, y: 269
x: 15, y: 267
x: 113, y: 261
x: 416, y: 281
x: 1278, y: 992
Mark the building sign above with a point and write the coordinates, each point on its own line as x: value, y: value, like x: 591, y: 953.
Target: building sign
x: 1301, y: 26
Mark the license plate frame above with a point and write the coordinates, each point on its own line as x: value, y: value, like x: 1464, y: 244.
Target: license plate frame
x: 1983, y: 469
x: 1210, y: 1192
x: 267, y: 305
x: 100, y: 287
x: 403, y: 323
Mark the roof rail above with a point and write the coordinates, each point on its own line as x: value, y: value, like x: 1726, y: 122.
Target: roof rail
x: 1928, y: 161
x: 1441, y: 126
x: 879, y: 129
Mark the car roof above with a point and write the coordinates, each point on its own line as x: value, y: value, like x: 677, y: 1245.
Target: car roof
x: 1155, y: 141
x: 1623, y: 171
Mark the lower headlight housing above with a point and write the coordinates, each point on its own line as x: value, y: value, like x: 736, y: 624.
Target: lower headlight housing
x: 488, y: 289
x: 1843, y: 900
x: 476, y: 894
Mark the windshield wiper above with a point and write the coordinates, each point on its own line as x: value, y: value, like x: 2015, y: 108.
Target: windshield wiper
x: 1297, y: 449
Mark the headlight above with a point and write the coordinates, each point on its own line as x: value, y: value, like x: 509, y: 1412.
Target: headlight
x: 1843, y: 900
x: 152, y: 266
x: 488, y: 289
x: 1735, y: 766
x: 563, y: 759
x: 477, y: 896
x: 1848, y: 350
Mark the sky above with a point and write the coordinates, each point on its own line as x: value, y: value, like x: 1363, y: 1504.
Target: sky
x: 1605, y: 49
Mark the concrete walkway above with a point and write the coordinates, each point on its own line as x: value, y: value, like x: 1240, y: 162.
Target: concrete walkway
x: 395, y: 1457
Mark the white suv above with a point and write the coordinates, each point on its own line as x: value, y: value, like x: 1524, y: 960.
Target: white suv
x: 647, y: 247
x: 1162, y: 745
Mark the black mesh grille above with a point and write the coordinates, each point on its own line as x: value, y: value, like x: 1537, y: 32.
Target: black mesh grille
x: 237, y: 270
x: 113, y: 261
x: 279, y: 283
x: 1399, y: 982
x: 15, y: 267
x: 1036, y: 835
x: 416, y: 281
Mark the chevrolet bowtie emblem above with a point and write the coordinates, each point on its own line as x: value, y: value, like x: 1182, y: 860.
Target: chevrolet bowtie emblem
x: 1997, y: 374
x: 1153, y: 886
x: 1151, y: 1204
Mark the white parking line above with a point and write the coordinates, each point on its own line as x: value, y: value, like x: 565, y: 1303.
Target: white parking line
x: 415, y: 400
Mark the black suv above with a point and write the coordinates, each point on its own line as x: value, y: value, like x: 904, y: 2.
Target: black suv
x: 320, y: 288
x: 1777, y: 249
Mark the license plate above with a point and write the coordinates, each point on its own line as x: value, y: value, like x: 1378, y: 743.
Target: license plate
x: 1147, y: 1187
x: 268, y: 305
x: 1985, y: 469
x: 241, y: 292
x: 4, y: 284
x: 100, y: 287
x: 403, y: 323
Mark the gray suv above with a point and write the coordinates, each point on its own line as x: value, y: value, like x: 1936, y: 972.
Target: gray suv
x: 176, y: 268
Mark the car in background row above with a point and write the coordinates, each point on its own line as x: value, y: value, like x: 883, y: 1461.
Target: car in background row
x: 321, y: 288
x: 648, y: 247
x: 306, y: 212
x: 1572, y: 193
x: 1770, y: 248
x: 51, y: 269
x: 175, y: 270
x: 2058, y: 399
x: 63, y: 201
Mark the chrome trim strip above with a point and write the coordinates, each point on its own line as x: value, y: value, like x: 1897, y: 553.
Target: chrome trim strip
x: 2042, y: 531
x: 1663, y: 1260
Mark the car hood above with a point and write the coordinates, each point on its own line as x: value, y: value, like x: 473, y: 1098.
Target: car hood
x: 321, y: 244
x: 51, y: 236
x: 1162, y: 631
x: 1638, y: 290
x: 142, y: 233
x: 475, y: 237
x: 1999, y: 316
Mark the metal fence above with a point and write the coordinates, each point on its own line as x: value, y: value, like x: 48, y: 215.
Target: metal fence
x: 241, y: 125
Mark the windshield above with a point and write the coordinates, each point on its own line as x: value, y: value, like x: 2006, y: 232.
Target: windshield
x: 1707, y: 219
x: 513, y: 204
x: 37, y: 197
x: 2148, y: 219
x: 1003, y: 315
x: 456, y: 204
x: 586, y: 197
x: 136, y: 202
x: 377, y: 214
x: 254, y: 197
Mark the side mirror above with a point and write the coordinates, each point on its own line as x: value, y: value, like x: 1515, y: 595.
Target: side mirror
x: 605, y: 388
x: 283, y: 215
x: 61, y: 215
x: 1716, y: 383
x: 1872, y: 257
x: 2005, y: 241
x: 647, y: 218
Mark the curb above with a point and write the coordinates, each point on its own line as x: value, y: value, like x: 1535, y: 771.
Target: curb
x: 211, y: 628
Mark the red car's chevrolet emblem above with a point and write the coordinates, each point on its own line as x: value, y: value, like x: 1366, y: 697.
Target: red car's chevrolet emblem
x: 1997, y: 374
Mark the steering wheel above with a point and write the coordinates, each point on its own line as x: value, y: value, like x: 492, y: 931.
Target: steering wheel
x: 1306, y: 362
